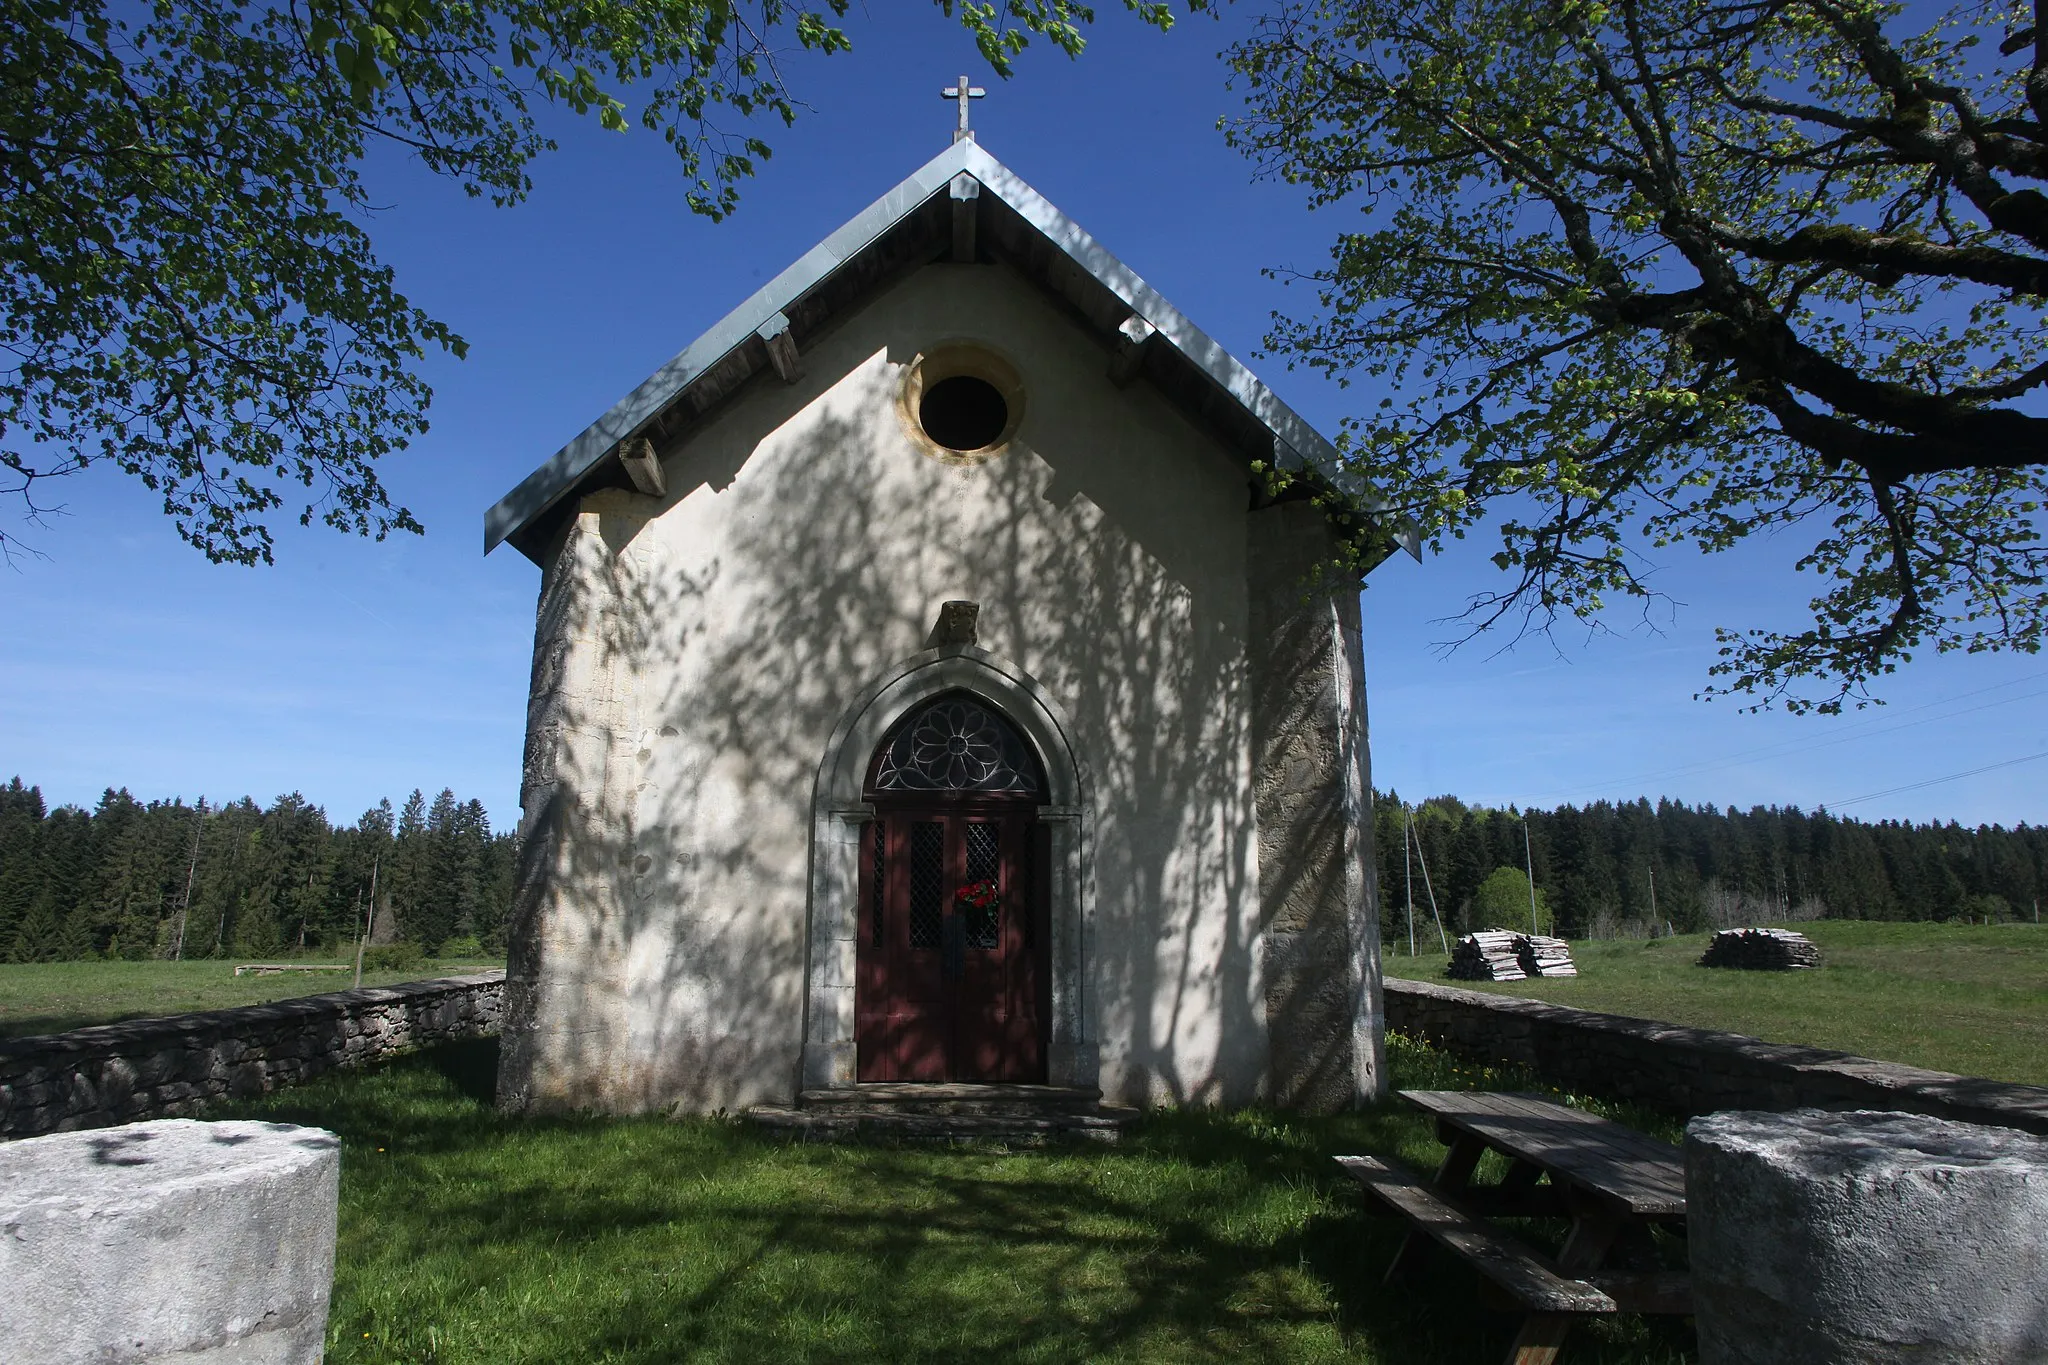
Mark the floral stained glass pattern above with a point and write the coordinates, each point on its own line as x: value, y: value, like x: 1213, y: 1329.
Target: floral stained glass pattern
x: 958, y: 745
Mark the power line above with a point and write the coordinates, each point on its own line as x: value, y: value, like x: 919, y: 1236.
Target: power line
x: 1862, y: 731
x: 1785, y: 747
x: 1934, y: 781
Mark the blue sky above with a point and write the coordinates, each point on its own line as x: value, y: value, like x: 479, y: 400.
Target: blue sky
x: 352, y: 671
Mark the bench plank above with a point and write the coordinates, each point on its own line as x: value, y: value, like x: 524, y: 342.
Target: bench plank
x: 1644, y: 1177
x: 1646, y: 1291
x: 1495, y: 1255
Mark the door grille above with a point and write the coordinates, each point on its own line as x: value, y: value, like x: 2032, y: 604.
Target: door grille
x: 927, y: 884
x: 984, y: 864
x: 879, y: 870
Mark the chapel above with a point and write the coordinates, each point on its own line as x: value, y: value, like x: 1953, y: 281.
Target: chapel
x: 930, y: 686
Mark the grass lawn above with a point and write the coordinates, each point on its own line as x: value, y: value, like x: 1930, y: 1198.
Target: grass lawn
x: 50, y: 997
x: 469, y: 1237
x: 1965, y: 998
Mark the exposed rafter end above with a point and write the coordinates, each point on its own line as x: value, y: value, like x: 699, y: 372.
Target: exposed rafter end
x: 781, y: 344
x: 1401, y: 532
x: 643, y: 467
x: 966, y: 200
x: 1129, y: 356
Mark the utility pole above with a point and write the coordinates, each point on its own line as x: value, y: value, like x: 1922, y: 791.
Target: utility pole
x: 1529, y: 861
x: 220, y: 931
x: 1437, y: 914
x: 1408, y: 869
x: 185, y: 905
x: 363, y: 923
x: 1653, y: 896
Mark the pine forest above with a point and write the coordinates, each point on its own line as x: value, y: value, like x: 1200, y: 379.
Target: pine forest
x: 171, y: 879
x: 168, y: 878
x: 1637, y: 870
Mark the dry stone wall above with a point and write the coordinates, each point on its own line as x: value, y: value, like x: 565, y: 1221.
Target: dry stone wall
x: 153, y: 1068
x: 1690, y: 1070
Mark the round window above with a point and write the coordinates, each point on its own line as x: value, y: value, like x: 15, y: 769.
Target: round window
x: 963, y: 413
x: 961, y: 402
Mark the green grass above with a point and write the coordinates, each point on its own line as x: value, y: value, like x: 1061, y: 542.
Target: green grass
x: 1964, y: 998
x: 470, y: 1237
x: 51, y: 997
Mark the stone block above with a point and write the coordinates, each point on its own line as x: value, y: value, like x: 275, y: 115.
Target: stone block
x: 1823, y: 1238
x: 200, y: 1243
x: 30, y: 1096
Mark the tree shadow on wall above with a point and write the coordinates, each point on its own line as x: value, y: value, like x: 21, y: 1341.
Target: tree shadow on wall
x: 689, y: 676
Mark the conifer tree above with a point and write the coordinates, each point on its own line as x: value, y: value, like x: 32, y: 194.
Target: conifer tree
x: 40, y: 935
x: 21, y: 820
x: 410, y: 871
x: 103, y: 903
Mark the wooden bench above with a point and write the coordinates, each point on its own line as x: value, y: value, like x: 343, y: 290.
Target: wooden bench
x: 1611, y: 1181
x: 1529, y: 1279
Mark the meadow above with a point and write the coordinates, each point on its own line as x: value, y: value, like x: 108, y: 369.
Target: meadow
x: 51, y: 997
x: 1953, y: 997
x: 467, y: 1236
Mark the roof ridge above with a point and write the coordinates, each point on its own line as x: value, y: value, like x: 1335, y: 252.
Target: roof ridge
x: 1296, y: 444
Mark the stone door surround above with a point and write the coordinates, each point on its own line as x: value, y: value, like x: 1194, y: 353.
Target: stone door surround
x: 838, y: 811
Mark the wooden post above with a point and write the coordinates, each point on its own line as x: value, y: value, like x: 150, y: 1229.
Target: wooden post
x: 1408, y: 869
x: 1427, y: 887
x: 185, y: 906
x: 364, y: 922
x: 1529, y: 861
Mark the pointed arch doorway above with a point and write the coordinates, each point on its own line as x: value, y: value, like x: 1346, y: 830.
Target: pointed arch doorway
x: 952, y: 981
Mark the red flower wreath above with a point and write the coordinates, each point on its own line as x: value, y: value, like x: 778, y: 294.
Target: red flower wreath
x: 981, y: 895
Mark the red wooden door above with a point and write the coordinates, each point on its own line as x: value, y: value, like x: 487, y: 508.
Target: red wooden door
x: 947, y: 991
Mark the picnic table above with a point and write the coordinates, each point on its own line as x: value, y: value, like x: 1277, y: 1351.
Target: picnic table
x: 1612, y: 1182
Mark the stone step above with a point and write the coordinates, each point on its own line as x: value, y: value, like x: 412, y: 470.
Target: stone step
x: 994, y: 1101
x: 947, y: 1112
x: 849, y: 1123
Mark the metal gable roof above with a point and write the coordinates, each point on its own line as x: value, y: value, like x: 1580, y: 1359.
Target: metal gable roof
x: 911, y: 225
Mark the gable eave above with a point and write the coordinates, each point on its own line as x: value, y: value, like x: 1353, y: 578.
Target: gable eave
x: 1197, y: 371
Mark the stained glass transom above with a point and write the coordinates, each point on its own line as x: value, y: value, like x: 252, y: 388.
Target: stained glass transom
x: 984, y: 863
x: 927, y: 884
x: 957, y: 745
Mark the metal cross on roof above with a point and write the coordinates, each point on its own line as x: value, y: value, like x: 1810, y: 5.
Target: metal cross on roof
x: 963, y: 92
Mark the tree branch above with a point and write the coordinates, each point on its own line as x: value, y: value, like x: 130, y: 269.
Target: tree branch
x: 1886, y: 260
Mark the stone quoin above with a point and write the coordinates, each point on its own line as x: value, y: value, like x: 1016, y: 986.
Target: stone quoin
x: 933, y: 682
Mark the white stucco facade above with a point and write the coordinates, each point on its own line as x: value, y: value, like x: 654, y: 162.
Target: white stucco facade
x: 714, y: 665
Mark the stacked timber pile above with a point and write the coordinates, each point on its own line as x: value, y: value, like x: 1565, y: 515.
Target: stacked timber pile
x: 1761, y: 950
x: 1489, y: 955
x: 1540, y: 955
